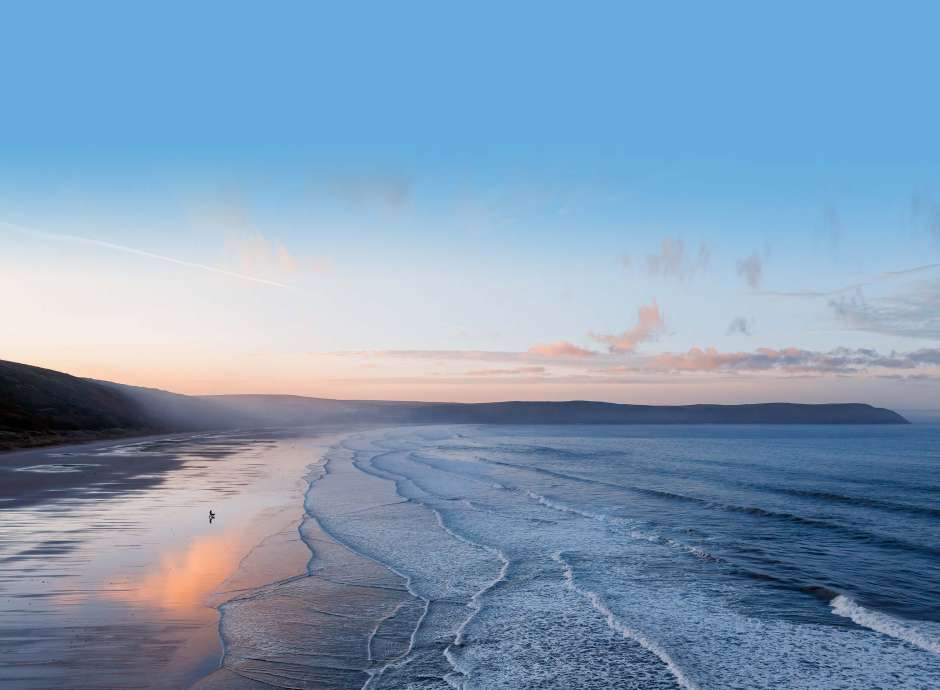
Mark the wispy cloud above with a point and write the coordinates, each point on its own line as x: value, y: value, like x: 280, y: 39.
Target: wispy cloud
x: 830, y: 230
x: 739, y: 324
x: 255, y: 254
x: 366, y: 190
x: 442, y: 355
x: 561, y: 353
x: 111, y: 246
x: 794, y: 360
x: 247, y: 248
x: 854, y: 287
x: 517, y: 371
x: 670, y: 367
x: 650, y: 325
x: 751, y: 268
x: 914, y: 313
x: 925, y: 213
x: 672, y: 260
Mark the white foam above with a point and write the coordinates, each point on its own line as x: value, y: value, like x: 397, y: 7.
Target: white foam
x: 689, y: 630
x: 64, y: 468
x: 887, y: 625
x: 597, y: 603
x: 555, y: 505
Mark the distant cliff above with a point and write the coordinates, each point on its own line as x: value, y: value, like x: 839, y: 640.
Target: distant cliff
x: 41, y: 406
x: 296, y: 410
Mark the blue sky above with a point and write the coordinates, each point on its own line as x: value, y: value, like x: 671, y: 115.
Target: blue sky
x: 444, y: 189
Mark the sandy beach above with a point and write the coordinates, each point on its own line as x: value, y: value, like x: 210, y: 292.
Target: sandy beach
x: 110, y: 572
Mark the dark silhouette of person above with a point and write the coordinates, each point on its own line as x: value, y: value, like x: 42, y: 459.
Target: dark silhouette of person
x: 211, y: 517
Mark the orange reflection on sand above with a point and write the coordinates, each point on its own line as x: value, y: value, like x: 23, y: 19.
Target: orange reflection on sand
x: 185, y: 579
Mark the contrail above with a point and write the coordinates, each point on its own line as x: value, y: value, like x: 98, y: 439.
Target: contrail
x: 139, y: 252
x: 877, y: 278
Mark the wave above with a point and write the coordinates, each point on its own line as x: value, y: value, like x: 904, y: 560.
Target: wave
x: 805, y: 474
x: 375, y: 673
x: 559, y: 506
x: 897, y: 628
x: 680, y: 470
x: 860, y: 501
x: 456, y: 678
x: 615, y: 624
x: 817, y: 591
x: 846, y: 530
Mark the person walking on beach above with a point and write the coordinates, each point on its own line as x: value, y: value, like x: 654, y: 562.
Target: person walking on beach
x: 211, y: 517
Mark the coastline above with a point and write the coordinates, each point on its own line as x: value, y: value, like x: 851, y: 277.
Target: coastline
x: 364, y: 611
x: 451, y: 513
x: 372, y: 556
x: 10, y: 442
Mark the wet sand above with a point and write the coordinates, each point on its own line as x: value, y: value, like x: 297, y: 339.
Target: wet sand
x: 329, y: 630
x: 110, y: 573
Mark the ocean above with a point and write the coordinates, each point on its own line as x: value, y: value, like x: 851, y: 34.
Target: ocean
x: 477, y: 557
x: 621, y: 557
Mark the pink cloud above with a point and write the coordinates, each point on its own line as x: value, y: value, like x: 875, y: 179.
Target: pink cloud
x: 560, y: 348
x: 507, y: 372
x: 286, y: 262
x: 697, y: 359
x: 649, y: 326
x: 256, y: 254
x: 791, y: 360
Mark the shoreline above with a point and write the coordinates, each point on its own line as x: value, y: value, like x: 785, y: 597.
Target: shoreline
x: 346, y: 595
x: 409, y: 555
x: 110, y: 544
x: 456, y: 526
x: 12, y: 442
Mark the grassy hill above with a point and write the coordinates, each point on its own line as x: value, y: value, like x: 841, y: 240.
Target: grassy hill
x: 40, y: 406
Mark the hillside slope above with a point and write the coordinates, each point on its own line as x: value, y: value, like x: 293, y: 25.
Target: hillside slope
x: 40, y: 406
x: 297, y: 410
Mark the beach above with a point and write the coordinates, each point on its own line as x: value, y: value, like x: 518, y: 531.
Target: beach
x: 437, y: 557
x: 110, y: 571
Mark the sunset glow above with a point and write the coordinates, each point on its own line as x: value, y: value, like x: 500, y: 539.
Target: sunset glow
x: 551, y: 252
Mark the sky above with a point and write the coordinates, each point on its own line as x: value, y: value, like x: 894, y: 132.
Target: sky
x: 677, y: 203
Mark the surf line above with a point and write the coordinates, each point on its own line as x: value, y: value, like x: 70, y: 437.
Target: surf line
x: 883, y: 623
x: 475, y: 604
x: 598, y: 605
x: 373, y: 673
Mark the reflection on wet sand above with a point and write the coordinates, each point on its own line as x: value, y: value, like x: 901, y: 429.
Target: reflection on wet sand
x: 109, y: 577
x: 330, y: 630
x: 185, y: 578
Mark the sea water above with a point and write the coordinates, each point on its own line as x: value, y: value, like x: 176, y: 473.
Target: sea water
x: 647, y: 557
x: 431, y: 558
